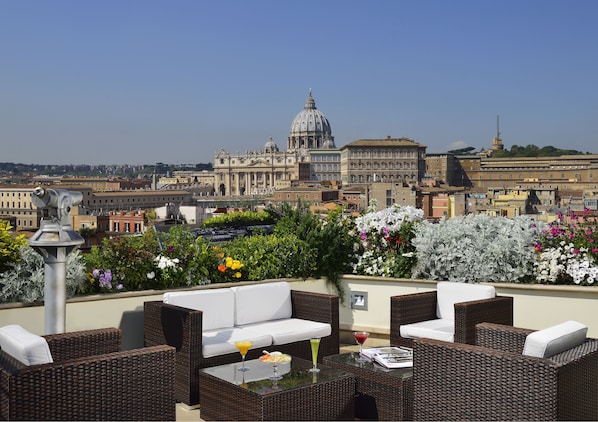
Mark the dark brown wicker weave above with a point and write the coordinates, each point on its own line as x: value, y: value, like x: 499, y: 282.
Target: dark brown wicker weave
x: 418, y: 307
x: 496, y: 382
x: 182, y: 328
x: 90, y: 379
x: 382, y: 394
x: 328, y: 397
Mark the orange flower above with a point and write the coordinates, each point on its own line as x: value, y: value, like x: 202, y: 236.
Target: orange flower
x: 222, y: 268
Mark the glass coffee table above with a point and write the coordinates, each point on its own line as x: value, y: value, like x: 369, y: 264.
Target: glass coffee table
x: 382, y: 394
x: 230, y: 394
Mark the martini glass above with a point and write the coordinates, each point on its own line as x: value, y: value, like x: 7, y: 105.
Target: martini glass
x: 243, y: 347
x: 360, y: 338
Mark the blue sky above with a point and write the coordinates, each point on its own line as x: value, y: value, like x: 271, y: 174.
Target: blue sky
x: 114, y: 82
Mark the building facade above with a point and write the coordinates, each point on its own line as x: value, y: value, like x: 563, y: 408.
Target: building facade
x: 270, y: 168
x: 390, y: 160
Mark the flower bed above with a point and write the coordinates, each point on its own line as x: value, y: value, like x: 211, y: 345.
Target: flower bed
x: 393, y: 242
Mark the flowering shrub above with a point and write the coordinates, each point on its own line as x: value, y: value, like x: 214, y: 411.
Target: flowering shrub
x: 476, y: 248
x: 229, y: 269
x: 567, y: 251
x: 101, y: 280
x: 384, y: 247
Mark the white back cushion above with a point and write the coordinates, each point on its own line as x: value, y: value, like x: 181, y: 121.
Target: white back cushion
x: 262, y: 302
x: 556, y: 339
x: 450, y: 293
x: 24, y: 346
x: 218, y: 306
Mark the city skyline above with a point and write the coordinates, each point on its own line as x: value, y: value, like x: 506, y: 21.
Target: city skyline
x: 174, y: 82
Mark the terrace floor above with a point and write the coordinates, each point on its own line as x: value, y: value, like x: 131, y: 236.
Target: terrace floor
x: 184, y: 413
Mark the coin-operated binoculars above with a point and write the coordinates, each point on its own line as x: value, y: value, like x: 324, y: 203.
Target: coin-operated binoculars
x: 54, y: 240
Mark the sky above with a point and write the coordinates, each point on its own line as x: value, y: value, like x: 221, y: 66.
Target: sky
x: 175, y: 81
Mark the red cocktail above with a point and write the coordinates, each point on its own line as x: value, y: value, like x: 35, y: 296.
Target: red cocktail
x: 360, y: 338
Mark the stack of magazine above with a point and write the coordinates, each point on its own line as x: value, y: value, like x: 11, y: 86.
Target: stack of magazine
x: 390, y: 357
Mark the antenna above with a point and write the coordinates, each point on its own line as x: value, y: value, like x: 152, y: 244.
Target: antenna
x: 497, y: 127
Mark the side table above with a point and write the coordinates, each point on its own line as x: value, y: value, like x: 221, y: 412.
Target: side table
x: 229, y: 394
x: 382, y: 394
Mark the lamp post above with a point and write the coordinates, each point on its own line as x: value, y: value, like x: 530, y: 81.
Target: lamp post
x: 54, y: 241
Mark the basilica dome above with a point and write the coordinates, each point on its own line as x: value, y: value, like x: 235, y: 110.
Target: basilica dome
x: 270, y: 146
x: 310, y: 128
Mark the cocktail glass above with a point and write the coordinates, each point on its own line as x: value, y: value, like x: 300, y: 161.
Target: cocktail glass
x: 243, y: 347
x: 275, y: 376
x: 360, y: 338
x: 315, y: 345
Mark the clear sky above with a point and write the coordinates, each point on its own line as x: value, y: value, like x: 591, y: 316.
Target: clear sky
x: 174, y: 81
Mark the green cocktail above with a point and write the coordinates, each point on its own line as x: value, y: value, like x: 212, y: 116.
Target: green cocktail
x: 315, y: 345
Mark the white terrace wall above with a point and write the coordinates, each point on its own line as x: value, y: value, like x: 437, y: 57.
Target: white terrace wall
x: 535, y: 306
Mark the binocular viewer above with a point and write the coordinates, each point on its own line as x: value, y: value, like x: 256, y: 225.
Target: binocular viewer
x: 55, y: 226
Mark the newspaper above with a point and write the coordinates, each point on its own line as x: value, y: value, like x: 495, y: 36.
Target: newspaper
x: 390, y: 357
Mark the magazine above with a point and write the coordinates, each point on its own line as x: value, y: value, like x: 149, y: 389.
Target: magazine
x: 390, y: 357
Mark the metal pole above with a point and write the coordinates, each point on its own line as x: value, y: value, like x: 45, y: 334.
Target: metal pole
x: 55, y: 291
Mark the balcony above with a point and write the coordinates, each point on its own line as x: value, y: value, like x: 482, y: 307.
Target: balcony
x: 535, y: 306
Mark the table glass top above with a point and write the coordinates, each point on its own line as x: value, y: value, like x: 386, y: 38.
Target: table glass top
x: 294, y: 374
x: 350, y: 359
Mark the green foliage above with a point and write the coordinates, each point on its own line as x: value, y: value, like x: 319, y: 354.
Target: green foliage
x: 10, y: 245
x: 238, y: 219
x: 24, y: 280
x: 534, y: 151
x: 330, y: 237
x: 272, y: 256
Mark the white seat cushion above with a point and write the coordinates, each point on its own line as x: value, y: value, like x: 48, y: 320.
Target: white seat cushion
x: 222, y: 342
x: 556, y: 339
x: 262, y: 302
x: 24, y: 346
x: 437, y: 329
x: 291, y: 330
x: 218, y: 306
x: 449, y: 293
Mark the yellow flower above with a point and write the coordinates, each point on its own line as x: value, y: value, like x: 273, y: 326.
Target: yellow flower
x: 236, y: 265
x: 237, y: 275
x: 229, y: 262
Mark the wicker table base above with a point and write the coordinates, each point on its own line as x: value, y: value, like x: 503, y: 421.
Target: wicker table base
x: 229, y: 394
x: 382, y: 394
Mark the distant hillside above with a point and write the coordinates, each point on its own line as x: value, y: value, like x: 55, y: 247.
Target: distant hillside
x: 102, y: 170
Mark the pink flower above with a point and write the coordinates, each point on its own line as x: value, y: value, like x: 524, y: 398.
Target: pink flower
x: 575, y: 251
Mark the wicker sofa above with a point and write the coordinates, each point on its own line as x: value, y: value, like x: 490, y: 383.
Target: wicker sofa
x: 456, y: 318
x: 192, y: 331
x: 494, y: 380
x: 90, y: 379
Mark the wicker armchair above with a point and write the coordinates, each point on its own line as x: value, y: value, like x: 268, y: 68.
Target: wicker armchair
x: 182, y: 328
x: 493, y: 380
x: 90, y: 379
x: 418, y: 307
